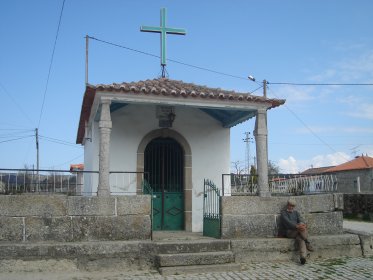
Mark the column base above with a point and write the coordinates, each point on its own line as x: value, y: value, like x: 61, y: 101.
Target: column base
x: 265, y: 194
x: 103, y: 192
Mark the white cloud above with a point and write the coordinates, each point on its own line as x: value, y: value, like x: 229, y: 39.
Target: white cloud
x: 292, y: 165
x: 289, y: 165
x: 364, y: 111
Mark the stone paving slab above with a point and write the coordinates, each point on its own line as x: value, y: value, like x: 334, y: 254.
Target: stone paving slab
x: 335, y: 269
x: 365, y: 228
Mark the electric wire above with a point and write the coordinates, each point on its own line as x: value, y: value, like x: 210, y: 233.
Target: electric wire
x: 68, y: 161
x: 58, y: 141
x: 321, y: 84
x: 227, y: 74
x: 171, y: 60
x: 306, y: 126
x: 15, y: 139
x: 14, y: 101
x: 50, y: 64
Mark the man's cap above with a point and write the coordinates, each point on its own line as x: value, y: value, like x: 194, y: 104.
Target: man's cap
x: 292, y: 201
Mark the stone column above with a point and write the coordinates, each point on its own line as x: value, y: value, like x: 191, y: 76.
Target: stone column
x: 260, y: 134
x: 104, y: 165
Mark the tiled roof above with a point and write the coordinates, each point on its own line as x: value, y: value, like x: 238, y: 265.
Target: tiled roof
x: 167, y: 88
x: 316, y: 170
x: 361, y: 162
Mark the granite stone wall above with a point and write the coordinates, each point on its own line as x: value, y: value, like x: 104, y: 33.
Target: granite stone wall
x: 252, y: 216
x: 34, y: 218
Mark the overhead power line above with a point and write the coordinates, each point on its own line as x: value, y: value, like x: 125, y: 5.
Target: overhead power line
x: 307, y: 127
x: 171, y: 60
x: 226, y: 74
x: 58, y: 141
x: 10, y: 140
x: 17, y: 105
x: 50, y: 64
x: 321, y: 84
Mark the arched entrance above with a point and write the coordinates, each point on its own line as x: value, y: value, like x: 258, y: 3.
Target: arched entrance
x: 164, y: 163
x: 187, y: 167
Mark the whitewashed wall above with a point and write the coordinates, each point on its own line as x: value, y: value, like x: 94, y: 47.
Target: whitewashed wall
x: 209, y: 142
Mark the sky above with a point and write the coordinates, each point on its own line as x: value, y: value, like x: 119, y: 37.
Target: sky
x: 313, y: 42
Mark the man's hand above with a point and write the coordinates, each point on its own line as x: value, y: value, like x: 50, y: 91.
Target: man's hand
x: 301, y: 227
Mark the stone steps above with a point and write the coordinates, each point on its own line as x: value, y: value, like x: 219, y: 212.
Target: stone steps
x: 283, y: 249
x: 179, y: 270
x: 175, y: 256
x: 193, y: 256
x: 192, y: 246
x: 186, y: 259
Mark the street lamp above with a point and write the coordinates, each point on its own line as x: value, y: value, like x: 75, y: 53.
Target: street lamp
x: 251, y: 78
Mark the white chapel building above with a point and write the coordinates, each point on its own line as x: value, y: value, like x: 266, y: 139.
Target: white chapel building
x: 174, y: 134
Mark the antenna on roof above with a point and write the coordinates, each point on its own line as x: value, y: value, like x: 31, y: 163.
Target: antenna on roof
x: 355, y: 150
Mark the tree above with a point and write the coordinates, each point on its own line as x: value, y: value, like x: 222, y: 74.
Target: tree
x: 273, y: 169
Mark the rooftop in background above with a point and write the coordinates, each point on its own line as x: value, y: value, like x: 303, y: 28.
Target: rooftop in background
x: 360, y: 162
x: 316, y: 170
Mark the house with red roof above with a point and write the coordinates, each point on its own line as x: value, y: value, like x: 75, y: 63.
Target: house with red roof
x: 353, y: 176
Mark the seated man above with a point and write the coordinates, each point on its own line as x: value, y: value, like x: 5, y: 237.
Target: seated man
x: 295, y: 227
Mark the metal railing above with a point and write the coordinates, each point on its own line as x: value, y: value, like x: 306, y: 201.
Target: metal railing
x: 239, y: 184
x: 281, y: 184
x: 43, y: 181
x: 303, y: 184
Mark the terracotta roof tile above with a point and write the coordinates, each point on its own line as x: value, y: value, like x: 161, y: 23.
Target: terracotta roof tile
x: 361, y: 162
x: 175, y: 88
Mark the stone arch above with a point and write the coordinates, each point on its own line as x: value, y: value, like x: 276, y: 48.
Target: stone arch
x: 163, y: 133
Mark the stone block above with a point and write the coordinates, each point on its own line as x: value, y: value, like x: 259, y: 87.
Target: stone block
x: 205, y: 258
x: 338, y: 201
x: 33, y: 205
x: 315, y: 203
x: 324, y: 223
x: 367, y: 245
x: 48, y: 229
x: 284, y: 249
x: 130, y: 227
x: 11, y: 229
x: 133, y: 205
x: 91, y: 206
x: 243, y: 226
x: 249, y: 205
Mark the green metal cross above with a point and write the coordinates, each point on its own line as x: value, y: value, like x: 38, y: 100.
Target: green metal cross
x: 163, y: 30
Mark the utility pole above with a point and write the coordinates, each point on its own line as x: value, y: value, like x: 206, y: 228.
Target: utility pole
x: 86, y: 59
x: 37, y: 149
x: 247, y: 140
x: 265, y: 88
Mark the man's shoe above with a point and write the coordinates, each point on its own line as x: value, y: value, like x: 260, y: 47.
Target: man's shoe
x: 309, y: 247
x: 302, y: 260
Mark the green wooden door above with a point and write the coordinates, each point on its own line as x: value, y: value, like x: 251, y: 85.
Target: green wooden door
x: 163, y: 160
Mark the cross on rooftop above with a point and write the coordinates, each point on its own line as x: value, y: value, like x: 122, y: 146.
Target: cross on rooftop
x: 163, y: 30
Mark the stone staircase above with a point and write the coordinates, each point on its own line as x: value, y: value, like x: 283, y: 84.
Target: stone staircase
x: 193, y: 256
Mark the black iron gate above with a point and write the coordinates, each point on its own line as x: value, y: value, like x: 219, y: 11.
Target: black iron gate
x: 163, y: 160
x: 211, y: 210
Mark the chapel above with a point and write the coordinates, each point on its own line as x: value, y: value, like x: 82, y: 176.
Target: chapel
x: 174, y: 134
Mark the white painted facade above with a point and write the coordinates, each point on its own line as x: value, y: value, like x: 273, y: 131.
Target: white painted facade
x: 208, y: 139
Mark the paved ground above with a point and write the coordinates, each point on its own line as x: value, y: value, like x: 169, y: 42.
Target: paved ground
x: 358, y: 227
x: 336, y: 269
